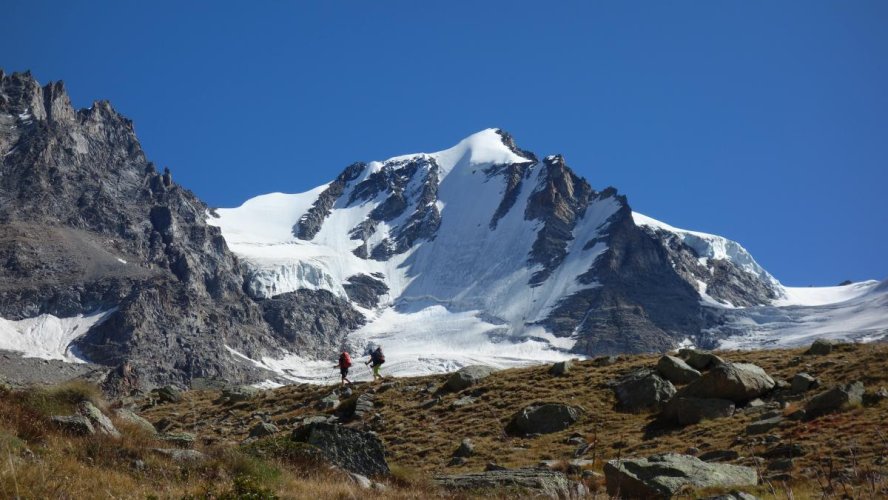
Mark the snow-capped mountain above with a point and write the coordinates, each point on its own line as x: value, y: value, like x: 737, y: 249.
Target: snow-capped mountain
x: 485, y: 253
x: 480, y: 253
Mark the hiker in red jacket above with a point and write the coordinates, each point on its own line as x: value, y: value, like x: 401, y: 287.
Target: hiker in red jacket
x: 345, y: 362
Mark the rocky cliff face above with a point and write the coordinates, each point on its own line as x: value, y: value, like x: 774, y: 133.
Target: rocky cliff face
x: 87, y: 223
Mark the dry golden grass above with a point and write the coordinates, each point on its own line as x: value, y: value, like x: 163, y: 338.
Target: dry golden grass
x: 846, y: 451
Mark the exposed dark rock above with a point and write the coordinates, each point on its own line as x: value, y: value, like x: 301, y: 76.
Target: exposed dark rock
x: 662, y: 476
x: 311, y: 322
x: 466, y: 449
x: 365, y: 290
x: 838, y: 398
x: 785, y: 451
x: 719, y: 456
x: 821, y: 347
x: 353, y: 450
x: 802, y: 382
x: 643, y: 390
x: 543, y: 419
x: 310, y: 223
x: 87, y: 224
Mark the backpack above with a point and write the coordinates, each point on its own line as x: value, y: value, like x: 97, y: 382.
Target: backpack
x: 378, y: 357
x: 345, y: 361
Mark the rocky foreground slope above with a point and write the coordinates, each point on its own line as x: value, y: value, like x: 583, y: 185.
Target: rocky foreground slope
x: 806, y: 423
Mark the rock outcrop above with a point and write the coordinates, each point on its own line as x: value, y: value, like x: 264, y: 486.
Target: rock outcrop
x: 663, y: 476
x: 353, y: 450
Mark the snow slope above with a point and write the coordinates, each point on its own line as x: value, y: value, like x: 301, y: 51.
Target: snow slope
x: 857, y: 312
x: 47, y: 336
x: 463, y: 295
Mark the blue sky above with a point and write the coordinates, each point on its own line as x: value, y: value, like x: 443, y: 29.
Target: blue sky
x: 766, y: 122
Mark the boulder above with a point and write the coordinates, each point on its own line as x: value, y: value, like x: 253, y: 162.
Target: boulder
x: 738, y: 382
x: 676, y: 370
x: 353, y: 450
x: 328, y: 402
x: 132, y: 418
x: 734, y: 495
x: 662, y: 476
x: 687, y: 411
x: 73, y: 424
x: 802, y: 382
x: 180, y: 439
x: 466, y: 377
x: 466, y: 449
x: 838, y: 398
x: 821, y: 347
x: 263, y: 429
x: 543, y: 419
x: 561, y: 368
x: 643, y: 390
x: 785, y: 451
x: 362, y: 482
x: 179, y: 455
x: 168, y: 394
x: 602, y: 361
x: 521, y: 482
x: 699, y: 360
x: 99, y: 420
x: 239, y: 393
x: 875, y: 398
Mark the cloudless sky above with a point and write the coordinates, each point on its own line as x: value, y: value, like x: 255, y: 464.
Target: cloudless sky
x: 766, y: 122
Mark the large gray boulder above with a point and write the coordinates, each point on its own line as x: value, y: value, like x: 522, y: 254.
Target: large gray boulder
x: 835, y: 399
x: 353, y: 450
x: 687, y: 411
x: 700, y: 360
x: 643, y: 390
x: 561, y: 368
x: 239, y: 393
x: 676, y: 370
x: 98, y: 419
x: 803, y: 382
x: 662, y: 476
x: 527, y: 482
x: 467, y: 376
x: 738, y: 382
x: 543, y: 419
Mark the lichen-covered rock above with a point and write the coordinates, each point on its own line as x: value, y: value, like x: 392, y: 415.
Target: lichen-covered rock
x: 642, y: 390
x: 239, y: 393
x: 803, y: 382
x: 353, y: 450
x: 263, y: 429
x: 131, y: 417
x: 662, y: 476
x: 738, y: 382
x: 676, y: 370
x: 821, y: 347
x: 700, y: 360
x: 560, y: 368
x: 100, y: 421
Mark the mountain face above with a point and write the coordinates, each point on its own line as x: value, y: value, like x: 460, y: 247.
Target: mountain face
x: 481, y: 253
